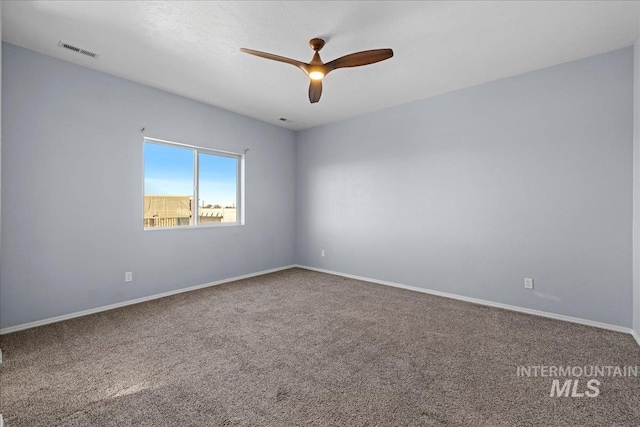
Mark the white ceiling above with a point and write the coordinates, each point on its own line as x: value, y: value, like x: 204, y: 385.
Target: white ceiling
x: 191, y: 48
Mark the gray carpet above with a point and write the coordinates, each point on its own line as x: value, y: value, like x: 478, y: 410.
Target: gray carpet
x: 304, y: 348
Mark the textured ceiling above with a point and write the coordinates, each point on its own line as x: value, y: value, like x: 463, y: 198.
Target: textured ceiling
x: 192, y: 48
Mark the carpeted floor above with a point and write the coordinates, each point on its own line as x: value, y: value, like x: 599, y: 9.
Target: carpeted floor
x: 303, y: 348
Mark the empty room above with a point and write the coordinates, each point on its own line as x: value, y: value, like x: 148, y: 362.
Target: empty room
x: 315, y: 213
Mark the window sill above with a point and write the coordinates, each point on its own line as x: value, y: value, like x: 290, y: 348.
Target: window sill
x: 187, y: 227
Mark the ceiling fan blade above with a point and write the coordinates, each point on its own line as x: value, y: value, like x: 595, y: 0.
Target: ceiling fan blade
x: 299, y: 64
x: 315, y: 90
x: 359, y: 58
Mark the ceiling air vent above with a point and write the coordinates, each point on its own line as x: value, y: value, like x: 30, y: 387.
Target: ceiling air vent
x: 64, y: 45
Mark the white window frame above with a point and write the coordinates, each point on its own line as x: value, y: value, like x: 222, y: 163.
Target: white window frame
x: 196, y: 190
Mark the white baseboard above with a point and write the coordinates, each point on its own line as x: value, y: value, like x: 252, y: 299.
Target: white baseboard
x: 482, y: 302
x: 1, y: 421
x: 135, y: 301
x: 636, y: 336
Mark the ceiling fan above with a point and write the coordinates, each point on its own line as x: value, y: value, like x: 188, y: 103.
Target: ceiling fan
x: 316, y: 69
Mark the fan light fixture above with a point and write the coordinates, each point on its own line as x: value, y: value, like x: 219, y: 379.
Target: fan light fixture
x: 316, y: 75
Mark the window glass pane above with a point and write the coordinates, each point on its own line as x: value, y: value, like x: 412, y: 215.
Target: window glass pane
x: 218, y: 186
x: 168, y: 185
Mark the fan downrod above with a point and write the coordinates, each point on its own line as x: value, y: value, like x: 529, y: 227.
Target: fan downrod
x: 316, y: 44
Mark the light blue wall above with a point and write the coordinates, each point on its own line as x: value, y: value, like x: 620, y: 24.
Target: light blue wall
x: 0, y: 146
x: 72, y: 191
x: 636, y: 190
x: 471, y: 191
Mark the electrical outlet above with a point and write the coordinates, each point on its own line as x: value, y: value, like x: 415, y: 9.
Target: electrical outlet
x: 322, y: 253
x: 128, y: 276
x: 528, y: 283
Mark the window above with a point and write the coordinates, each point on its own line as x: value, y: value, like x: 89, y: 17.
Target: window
x: 190, y: 186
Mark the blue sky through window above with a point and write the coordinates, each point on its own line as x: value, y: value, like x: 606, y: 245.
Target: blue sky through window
x: 217, y: 180
x: 168, y: 170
